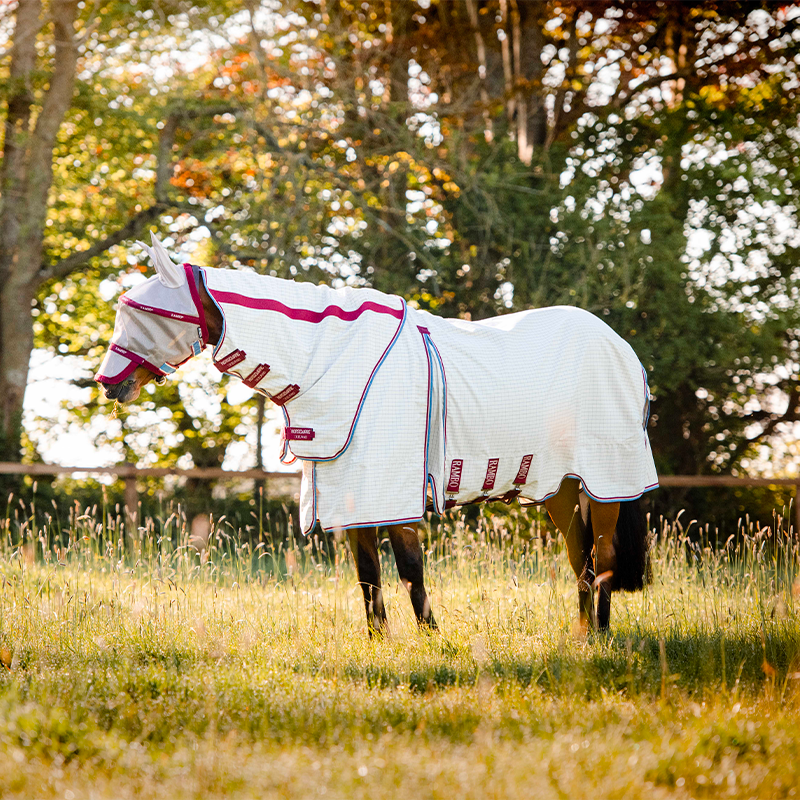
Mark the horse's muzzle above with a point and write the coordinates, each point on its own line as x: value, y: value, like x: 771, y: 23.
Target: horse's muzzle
x: 119, y: 391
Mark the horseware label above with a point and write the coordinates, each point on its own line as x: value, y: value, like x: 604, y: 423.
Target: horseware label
x: 524, y: 466
x: 285, y: 395
x: 491, y: 474
x: 230, y: 360
x: 300, y: 434
x: 455, y: 475
x: 256, y: 376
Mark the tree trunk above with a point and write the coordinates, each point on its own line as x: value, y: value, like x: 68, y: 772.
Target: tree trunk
x: 25, y: 179
x: 17, y: 345
x: 527, y: 45
x: 483, y: 68
x: 261, y: 408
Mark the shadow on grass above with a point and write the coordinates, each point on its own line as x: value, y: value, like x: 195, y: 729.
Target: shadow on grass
x: 637, y: 665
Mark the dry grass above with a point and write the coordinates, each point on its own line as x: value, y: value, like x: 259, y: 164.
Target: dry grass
x: 138, y: 666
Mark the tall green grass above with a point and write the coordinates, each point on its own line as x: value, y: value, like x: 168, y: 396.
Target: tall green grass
x: 143, y: 661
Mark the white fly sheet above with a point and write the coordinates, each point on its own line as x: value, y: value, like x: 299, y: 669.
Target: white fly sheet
x: 386, y: 406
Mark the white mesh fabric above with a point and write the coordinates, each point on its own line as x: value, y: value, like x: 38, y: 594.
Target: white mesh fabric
x: 530, y: 398
x: 162, y: 300
x: 158, y: 325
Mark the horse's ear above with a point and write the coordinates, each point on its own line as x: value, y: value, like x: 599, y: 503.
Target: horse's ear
x: 169, y: 273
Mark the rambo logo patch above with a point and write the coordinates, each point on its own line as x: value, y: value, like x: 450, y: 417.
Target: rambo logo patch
x: 525, y: 465
x: 454, y: 481
x: 491, y: 474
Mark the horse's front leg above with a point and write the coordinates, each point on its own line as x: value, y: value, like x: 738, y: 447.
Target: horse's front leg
x: 364, y: 545
x: 408, y: 555
x: 564, y: 510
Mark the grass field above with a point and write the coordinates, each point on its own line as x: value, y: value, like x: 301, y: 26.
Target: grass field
x: 140, y: 666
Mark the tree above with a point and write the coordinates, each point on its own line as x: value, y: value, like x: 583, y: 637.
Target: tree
x: 598, y: 95
x: 25, y: 180
x: 56, y: 93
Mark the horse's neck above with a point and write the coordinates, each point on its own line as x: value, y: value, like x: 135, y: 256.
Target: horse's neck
x: 213, y: 316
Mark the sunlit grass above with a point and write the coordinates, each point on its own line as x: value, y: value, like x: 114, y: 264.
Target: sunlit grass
x: 149, y: 663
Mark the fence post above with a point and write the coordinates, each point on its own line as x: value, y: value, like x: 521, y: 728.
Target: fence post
x: 131, y: 497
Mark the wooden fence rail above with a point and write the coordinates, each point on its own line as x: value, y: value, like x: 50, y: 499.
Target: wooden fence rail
x: 129, y: 473
x: 707, y: 481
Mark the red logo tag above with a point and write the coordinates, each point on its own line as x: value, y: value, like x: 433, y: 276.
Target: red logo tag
x: 525, y: 465
x: 455, y: 476
x: 256, y: 376
x: 300, y: 434
x: 230, y: 360
x: 491, y: 474
x: 285, y: 395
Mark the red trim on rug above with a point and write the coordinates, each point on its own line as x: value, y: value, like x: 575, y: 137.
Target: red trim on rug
x: 131, y: 356
x: 303, y: 314
x: 116, y: 378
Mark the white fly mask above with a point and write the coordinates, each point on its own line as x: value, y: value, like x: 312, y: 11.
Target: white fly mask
x: 160, y: 323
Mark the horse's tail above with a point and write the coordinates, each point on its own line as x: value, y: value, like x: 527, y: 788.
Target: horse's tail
x: 632, y: 547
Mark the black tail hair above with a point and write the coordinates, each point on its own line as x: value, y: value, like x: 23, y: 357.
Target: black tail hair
x: 632, y: 548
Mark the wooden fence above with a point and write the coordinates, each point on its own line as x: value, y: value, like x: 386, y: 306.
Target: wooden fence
x: 130, y: 473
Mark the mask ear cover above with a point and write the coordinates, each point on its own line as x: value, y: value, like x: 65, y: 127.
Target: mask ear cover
x: 170, y: 274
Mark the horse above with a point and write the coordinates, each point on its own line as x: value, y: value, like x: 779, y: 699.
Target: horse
x: 393, y: 412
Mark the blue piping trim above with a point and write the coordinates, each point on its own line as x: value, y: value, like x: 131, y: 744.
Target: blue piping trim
x: 222, y: 314
x: 434, y: 496
x: 430, y: 347
x: 382, y: 524
x: 587, y: 492
x: 427, y: 423
x: 444, y: 386
x: 366, y: 392
x: 285, y: 448
x: 439, y: 361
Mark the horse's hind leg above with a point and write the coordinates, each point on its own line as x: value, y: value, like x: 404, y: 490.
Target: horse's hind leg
x: 604, y: 522
x: 408, y: 555
x: 364, y: 544
x: 564, y: 510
